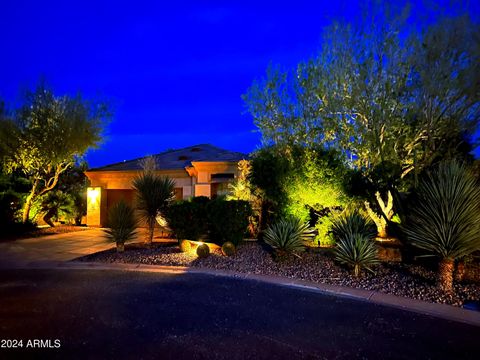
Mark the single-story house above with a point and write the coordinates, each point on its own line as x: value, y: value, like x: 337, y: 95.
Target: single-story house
x: 199, y: 170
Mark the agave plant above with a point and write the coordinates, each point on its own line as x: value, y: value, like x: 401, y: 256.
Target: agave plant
x: 350, y: 223
x: 288, y: 236
x: 154, y: 193
x: 122, y: 224
x: 357, y: 251
x: 446, y: 218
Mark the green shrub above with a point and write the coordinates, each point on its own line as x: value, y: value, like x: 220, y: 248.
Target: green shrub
x: 203, y: 251
x: 228, y: 249
x: 188, y: 219
x: 445, y: 219
x: 357, y: 251
x: 288, y: 236
x: 185, y: 246
x: 351, y: 223
x: 228, y: 220
x: 121, y: 224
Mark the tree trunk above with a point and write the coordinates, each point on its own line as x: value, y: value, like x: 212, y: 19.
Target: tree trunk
x: 460, y: 272
x: 48, y: 217
x: 29, y: 202
x: 151, y: 229
x: 445, y: 274
x: 120, y: 247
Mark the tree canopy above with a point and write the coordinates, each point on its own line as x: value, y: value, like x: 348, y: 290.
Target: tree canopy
x: 379, y: 92
x: 47, y: 135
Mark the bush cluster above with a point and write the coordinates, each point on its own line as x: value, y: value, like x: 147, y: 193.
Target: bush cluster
x: 219, y: 220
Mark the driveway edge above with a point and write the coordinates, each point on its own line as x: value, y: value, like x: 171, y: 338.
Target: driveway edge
x: 443, y: 311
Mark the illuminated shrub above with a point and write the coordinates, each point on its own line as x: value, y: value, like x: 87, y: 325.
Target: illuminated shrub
x: 228, y: 249
x: 185, y: 246
x: 203, y: 251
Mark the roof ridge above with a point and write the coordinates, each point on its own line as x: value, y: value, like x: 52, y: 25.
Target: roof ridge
x: 158, y: 156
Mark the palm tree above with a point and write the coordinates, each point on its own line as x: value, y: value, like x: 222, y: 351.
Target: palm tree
x: 154, y: 193
x: 446, y: 218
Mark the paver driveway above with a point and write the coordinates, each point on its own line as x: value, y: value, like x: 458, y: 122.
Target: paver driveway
x: 60, y: 247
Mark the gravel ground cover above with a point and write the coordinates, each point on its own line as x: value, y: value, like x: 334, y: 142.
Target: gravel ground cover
x: 413, y: 281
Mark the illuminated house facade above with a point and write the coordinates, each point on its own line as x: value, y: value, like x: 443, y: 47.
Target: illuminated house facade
x: 200, y: 170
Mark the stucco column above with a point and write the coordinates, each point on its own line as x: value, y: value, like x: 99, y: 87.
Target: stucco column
x: 96, y: 206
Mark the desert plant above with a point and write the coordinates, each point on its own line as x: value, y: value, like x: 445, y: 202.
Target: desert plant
x: 121, y: 224
x: 352, y: 222
x: 203, y: 251
x: 445, y: 220
x: 154, y: 193
x: 288, y: 236
x: 185, y: 246
x: 358, y: 251
x: 228, y: 249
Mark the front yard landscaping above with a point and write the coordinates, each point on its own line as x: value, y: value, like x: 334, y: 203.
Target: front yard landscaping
x: 401, y: 279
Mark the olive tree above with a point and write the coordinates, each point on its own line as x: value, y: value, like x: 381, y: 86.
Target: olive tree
x: 50, y: 134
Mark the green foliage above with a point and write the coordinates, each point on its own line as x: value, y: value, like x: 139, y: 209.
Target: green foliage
x: 203, y: 251
x: 357, y: 251
x: 187, y: 219
x: 445, y: 219
x: 153, y: 194
x: 228, y: 220
x: 350, y: 223
x: 298, y: 181
x: 393, y: 96
x: 185, y: 246
x: 314, y: 182
x: 243, y: 189
x: 55, y: 205
x: 228, y: 249
x: 121, y: 223
x: 288, y: 236
x: 47, y: 134
x: 324, y: 229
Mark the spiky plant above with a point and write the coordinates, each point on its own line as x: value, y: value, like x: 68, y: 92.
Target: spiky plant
x: 352, y: 222
x: 153, y: 194
x: 288, y: 236
x: 357, y: 251
x: 446, y: 218
x: 122, y: 224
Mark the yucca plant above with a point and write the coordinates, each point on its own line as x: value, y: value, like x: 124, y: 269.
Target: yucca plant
x: 352, y: 222
x: 288, y: 236
x: 122, y: 224
x: 446, y: 218
x: 358, y: 251
x: 154, y: 193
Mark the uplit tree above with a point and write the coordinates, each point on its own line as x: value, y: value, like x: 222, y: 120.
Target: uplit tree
x: 382, y: 94
x: 50, y: 133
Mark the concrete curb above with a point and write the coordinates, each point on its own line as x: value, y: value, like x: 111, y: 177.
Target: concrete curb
x: 442, y: 311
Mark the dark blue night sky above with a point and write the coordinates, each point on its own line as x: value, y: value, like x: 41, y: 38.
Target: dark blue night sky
x: 174, y: 72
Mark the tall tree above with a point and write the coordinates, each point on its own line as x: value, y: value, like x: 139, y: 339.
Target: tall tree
x: 51, y: 133
x: 384, y: 94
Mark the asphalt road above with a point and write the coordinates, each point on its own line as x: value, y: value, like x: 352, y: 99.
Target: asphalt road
x: 130, y: 315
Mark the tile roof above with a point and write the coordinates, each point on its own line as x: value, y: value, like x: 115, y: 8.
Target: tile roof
x: 178, y: 159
